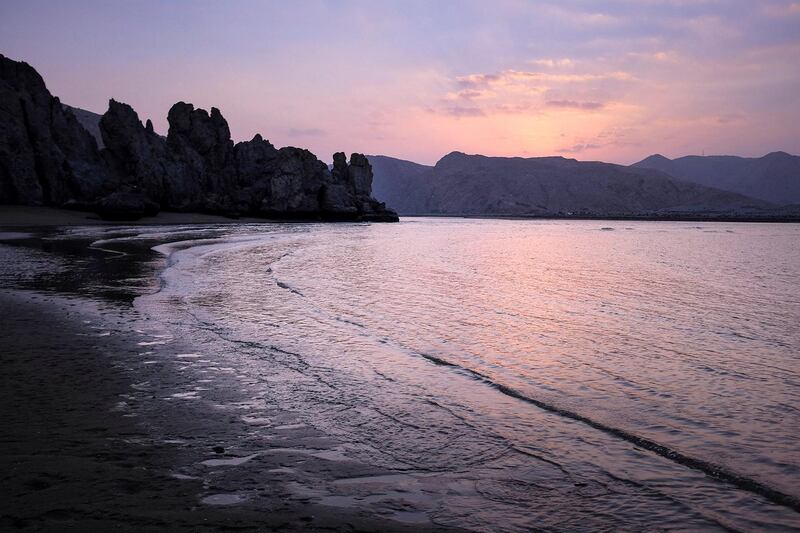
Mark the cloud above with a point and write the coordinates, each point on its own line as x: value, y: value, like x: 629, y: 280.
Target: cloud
x: 728, y: 118
x: 781, y: 9
x: 660, y: 56
x: 478, y: 80
x: 554, y: 63
x: 305, y: 132
x: 458, y: 111
x: 579, y: 17
x: 577, y: 148
x: 469, y: 94
x: 512, y: 77
x: 572, y: 104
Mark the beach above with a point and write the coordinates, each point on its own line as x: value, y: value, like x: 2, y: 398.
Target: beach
x: 305, y: 376
x: 86, y: 416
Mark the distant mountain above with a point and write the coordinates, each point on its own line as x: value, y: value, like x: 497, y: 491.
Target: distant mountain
x: 479, y: 185
x: 399, y: 183
x: 774, y: 177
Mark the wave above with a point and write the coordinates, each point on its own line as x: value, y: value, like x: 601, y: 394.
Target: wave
x: 710, y: 469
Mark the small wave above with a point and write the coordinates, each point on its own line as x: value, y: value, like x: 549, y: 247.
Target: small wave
x: 710, y: 469
x: 288, y: 287
x: 351, y: 322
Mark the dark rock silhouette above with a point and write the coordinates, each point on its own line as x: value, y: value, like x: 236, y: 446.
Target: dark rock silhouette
x: 544, y: 186
x: 774, y: 178
x: 47, y: 157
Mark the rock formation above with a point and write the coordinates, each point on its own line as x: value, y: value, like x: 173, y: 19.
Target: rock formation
x: 48, y: 158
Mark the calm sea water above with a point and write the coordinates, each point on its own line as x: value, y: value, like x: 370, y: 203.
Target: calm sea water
x: 515, y: 374
x: 619, y: 365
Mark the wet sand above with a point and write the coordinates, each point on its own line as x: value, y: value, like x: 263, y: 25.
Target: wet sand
x: 19, y: 215
x: 93, y: 440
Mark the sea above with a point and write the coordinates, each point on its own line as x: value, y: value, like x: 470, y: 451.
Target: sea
x: 510, y: 374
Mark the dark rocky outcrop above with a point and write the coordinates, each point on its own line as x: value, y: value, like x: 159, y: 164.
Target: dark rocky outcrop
x: 47, y: 157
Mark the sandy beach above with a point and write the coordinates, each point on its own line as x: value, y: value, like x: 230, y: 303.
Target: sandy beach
x: 102, y: 430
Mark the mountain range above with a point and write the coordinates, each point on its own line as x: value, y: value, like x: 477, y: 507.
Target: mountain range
x: 461, y: 184
x: 774, y: 178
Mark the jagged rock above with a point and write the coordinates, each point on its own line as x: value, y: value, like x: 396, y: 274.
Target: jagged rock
x: 145, y: 160
x: 134, y: 153
x: 295, y: 184
x: 254, y: 159
x: 48, y: 157
x: 359, y: 173
x: 347, y: 195
x: 202, y: 143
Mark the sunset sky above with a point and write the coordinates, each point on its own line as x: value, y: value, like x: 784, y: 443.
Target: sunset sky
x: 614, y: 80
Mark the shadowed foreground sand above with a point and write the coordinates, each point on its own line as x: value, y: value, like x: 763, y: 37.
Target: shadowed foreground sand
x: 72, y: 459
x: 20, y: 215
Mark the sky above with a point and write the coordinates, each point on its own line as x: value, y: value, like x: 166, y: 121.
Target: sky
x: 613, y: 80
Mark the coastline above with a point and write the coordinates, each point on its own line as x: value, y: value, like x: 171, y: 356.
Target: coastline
x: 14, y: 216
x: 97, y: 437
x: 791, y: 219
x: 236, y: 436
x: 28, y: 216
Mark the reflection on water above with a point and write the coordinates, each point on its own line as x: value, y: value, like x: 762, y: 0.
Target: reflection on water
x: 527, y: 373
x: 403, y: 340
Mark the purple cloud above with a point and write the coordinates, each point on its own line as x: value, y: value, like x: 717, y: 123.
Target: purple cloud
x: 572, y: 104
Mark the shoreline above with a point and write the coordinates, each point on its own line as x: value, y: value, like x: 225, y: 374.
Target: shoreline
x: 97, y: 435
x: 792, y: 219
x: 15, y: 216
x: 201, y: 432
x: 30, y: 216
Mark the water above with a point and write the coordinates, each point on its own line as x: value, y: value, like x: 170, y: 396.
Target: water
x: 518, y: 374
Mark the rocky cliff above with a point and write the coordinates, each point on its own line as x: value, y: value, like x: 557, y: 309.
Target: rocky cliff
x: 48, y: 158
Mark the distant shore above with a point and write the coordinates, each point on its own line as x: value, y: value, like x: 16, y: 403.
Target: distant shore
x: 792, y: 219
x: 28, y: 216
x: 21, y: 215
